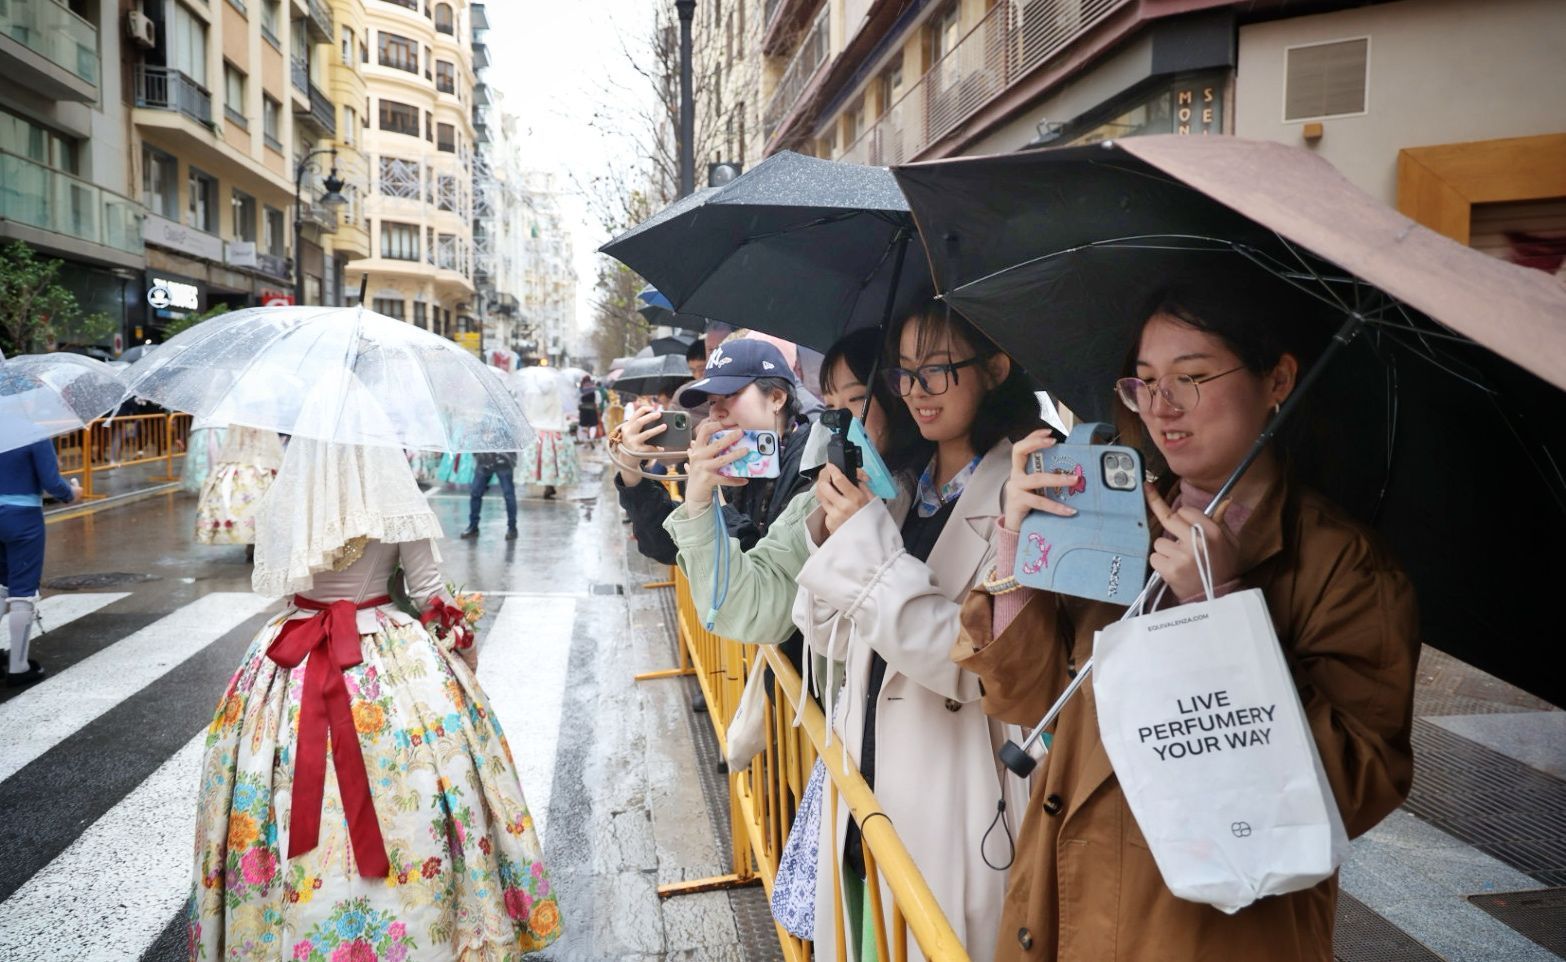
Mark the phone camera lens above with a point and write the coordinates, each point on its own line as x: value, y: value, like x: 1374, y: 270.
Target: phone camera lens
x: 1120, y: 480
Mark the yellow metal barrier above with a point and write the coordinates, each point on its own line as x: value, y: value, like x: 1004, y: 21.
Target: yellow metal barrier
x: 764, y: 799
x: 121, y: 442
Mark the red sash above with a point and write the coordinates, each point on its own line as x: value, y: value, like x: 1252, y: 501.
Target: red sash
x: 332, y: 637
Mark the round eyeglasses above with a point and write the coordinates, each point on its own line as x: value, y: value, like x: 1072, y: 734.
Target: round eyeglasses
x: 1180, y: 391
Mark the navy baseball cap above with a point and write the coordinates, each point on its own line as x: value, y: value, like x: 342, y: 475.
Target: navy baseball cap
x: 732, y: 366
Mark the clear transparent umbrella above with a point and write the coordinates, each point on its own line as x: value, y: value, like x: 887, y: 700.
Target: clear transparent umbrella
x: 340, y: 374
x: 44, y: 395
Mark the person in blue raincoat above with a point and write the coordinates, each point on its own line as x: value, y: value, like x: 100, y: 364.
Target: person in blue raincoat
x: 26, y: 475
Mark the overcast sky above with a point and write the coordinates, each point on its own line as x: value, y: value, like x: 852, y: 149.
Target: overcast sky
x: 557, y: 63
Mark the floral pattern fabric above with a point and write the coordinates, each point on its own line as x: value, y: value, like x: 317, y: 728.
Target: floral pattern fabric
x: 226, y: 513
x: 794, y: 890
x: 928, y: 500
x: 467, y: 880
x: 550, y: 459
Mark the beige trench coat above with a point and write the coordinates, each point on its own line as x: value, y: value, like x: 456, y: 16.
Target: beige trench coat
x: 936, y: 774
x: 1085, y: 887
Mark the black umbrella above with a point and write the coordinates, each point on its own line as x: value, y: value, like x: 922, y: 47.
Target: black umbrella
x: 797, y: 247
x: 673, y: 344
x: 657, y: 311
x: 1447, y: 424
x: 653, y: 375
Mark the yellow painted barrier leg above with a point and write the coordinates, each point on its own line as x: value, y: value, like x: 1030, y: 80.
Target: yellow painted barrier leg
x: 718, y: 883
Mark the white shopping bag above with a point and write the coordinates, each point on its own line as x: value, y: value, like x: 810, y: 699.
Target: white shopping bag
x: 1204, y: 728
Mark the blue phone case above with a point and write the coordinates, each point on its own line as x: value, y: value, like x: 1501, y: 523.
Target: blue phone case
x: 1099, y: 553
x: 881, y: 483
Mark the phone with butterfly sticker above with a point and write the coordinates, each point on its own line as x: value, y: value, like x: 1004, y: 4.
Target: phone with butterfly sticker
x: 1100, y: 552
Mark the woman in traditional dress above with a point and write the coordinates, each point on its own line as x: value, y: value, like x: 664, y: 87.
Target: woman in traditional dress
x: 546, y: 395
x: 417, y: 844
x: 246, y: 465
x: 202, y: 447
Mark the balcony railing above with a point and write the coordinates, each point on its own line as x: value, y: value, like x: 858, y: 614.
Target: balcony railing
x: 48, y: 199
x: 808, y: 59
x: 319, y: 216
x: 301, y: 74
x: 320, y: 22
x: 322, y: 113
x: 1011, y: 40
x: 52, y: 31
x: 164, y: 88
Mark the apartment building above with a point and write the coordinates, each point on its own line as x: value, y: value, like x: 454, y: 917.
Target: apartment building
x: 64, y: 183
x: 1438, y: 106
x: 419, y: 68
x: 549, y: 279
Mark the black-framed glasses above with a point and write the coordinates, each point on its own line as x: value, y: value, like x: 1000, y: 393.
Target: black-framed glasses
x: 934, y: 378
x: 1179, y: 391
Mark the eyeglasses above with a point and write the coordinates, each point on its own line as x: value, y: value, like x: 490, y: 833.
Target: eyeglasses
x: 934, y: 378
x: 1179, y: 391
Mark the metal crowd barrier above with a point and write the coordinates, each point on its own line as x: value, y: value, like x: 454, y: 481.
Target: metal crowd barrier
x: 109, y: 443
x: 764, y: 799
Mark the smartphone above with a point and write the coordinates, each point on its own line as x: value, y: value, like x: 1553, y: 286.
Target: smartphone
x: 1100, y: 553
x: 850, y: 450
x: 676, y: 435
x: 761, y: 460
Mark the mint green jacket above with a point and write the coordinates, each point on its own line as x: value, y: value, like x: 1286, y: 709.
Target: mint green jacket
x: 760, y: 601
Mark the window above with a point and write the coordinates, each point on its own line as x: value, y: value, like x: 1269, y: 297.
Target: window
x: 447, y: 196
x: 399, y: 118
x: 399, y: 178
x: 272, y: 232
x: 159, y: 182
x: 1326, y: 79
x: 399, y: 52
x: 399, y: 242
x: 390, y: 306
x: 187, y: 44
x: 428, y: 59
x: 269, y: 21
x: 410, y: 4
x: 350, y: 125
x: 446, y: 140
x: 419, y: 319
x: 244, y: 216
x: 272, y: 122
x: 429, y: 126
x: 444, y: 21
x: 201, y: 204
x: 348, y: 38
x: 891, y: 84
x: 38, y: 144
x: 234, y: 95
x: 942, y: 33
x: 445, y: 77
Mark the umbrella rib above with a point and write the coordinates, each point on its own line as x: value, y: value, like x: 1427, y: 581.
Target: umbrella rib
x: 1315, y: 275
x: 1109, y: 242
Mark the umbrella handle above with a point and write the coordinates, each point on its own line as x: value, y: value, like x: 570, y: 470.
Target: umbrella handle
x: 901, y: 239
x: 1023, y: 758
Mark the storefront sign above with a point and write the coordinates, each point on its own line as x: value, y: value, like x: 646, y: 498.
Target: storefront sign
x: 276, y: 299
x: 167, y: 294
x: 241, y: 253
x: 174, y: 236
x: 469, y: 340
x: 1198, y: 109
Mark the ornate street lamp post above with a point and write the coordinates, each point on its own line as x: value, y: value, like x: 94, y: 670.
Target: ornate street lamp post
x: 333, y: 198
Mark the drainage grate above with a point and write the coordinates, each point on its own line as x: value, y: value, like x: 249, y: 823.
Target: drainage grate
x: 1540, y: 914
x: 1502, y: 807
x: 608, y: 589
x: 105, y: 579
x: 1361, y: 935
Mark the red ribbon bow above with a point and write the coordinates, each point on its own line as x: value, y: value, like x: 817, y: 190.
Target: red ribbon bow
x: 450, y: 618
x: 332, y: 638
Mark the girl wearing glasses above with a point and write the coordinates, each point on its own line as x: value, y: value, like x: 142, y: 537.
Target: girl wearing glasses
x: 880, y: 591
x: 1209, y: 368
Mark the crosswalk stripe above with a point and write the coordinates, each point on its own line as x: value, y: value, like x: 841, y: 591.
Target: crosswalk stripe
x: 113, y: 891
x: 57, y: 611
x: 522, y: 666
x: 43, y: 716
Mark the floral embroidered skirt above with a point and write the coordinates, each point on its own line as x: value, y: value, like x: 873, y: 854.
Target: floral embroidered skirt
x: 551, y: 459
x: 226, y: 513
x: 467, y: 880
x: 200, y: 447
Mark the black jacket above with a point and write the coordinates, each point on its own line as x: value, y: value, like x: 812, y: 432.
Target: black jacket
x: 748, y: 514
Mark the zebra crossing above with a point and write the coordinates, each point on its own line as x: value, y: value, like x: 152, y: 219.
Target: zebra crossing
x: 109, y: 887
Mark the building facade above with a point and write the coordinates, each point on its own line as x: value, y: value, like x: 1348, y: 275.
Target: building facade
x: 419, y: 67
x: 548, y: 308
x: 1436, y: 106
x: 65, y: 188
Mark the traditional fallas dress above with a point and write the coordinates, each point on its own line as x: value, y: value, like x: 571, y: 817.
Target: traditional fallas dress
x: 358, y: 799
x: 232, y: 492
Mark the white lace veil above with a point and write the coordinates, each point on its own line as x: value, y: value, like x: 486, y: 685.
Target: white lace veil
x: 326, y: 496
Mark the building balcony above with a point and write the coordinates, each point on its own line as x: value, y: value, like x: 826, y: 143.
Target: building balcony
x: 319, y: 22
x: 1012, y: 40
x: 807, y: 63
x: 164, y: 88
x: 319, y: 216
x: 782, y: 20
x: 80, y: 215
x: 480, y: 55
x: 317, y: 112
x: 300, y: 72
x: 47, y: 48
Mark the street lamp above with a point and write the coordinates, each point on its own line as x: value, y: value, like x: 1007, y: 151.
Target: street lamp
x: 720, y: 174
x: 333, y: 198
x: 687, y: 134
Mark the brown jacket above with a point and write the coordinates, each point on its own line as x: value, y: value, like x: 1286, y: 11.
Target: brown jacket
x: 1084, y: 887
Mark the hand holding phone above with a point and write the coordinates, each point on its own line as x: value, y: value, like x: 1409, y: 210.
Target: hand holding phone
x: 850, y: 451
x: 761, y: 459
x: 676, y: 434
